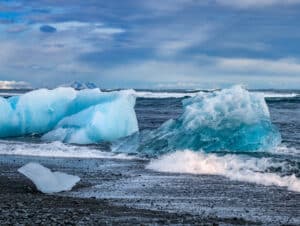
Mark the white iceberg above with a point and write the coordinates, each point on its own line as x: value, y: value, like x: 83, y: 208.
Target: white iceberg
x: 47, y: 181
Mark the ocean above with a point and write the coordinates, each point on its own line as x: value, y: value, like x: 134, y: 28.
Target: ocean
x: 261, y: 186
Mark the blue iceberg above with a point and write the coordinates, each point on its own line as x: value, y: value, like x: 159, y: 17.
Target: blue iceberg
x: 233, y: 120
x: 86, y: 116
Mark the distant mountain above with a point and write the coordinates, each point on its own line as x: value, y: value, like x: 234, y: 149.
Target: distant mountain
x: 79, y: 85
x: 91, y: 85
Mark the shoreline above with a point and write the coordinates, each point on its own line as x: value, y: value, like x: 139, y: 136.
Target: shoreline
x: 130, y: 195
x: 21, y: 203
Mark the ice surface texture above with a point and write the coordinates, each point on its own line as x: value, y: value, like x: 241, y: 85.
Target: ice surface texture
x: 86, y: 116
x: 229, y: 120
x: 47, y: 181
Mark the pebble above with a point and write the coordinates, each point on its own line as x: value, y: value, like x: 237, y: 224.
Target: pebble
x: 20, y: 205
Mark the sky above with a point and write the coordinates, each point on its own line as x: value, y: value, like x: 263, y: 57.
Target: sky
x: 157, y: 44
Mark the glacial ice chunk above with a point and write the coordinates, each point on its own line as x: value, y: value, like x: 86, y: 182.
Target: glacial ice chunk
x: 47, y: 181
x: 8, y: 119
x: 230, y: 120
x: 103, y: 122
x: 88, y: 115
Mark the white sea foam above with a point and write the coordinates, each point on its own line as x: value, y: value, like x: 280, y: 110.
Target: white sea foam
x: 8, y: 94
x: 189, y: 93
x: 283, y: 149
x: 149, y: 94
x: 157, y: 95
x: 47, y: 181
x: 234, y: 167
x: 56, y: 149
x: 278, y: 95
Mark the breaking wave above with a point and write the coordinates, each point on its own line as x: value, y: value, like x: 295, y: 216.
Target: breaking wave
x: 234, y: 167
x: 165, y: 94
x: 278, y: 95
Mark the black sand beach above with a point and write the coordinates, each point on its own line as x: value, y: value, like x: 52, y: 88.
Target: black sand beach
x: 22, y: 204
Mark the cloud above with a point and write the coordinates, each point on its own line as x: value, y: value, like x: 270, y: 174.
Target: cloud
x: 57, y: 55
x: 168, y: 5
x: 73, y: 25
x: 107, y: 31
x: 169, y: 39
x: 183, y: 40
x: 14, y: 85
x: 200, y: 72
x: 280, y: 66
x: 47, y: 29
x: 151, y: 43
x: 87, y: 29
x: 236, y: 45
x: 206, y: 72
x: 244, y: 4
x: 17, y: 28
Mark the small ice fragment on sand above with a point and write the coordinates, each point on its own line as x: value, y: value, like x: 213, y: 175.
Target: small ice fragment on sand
x: 47, y: 181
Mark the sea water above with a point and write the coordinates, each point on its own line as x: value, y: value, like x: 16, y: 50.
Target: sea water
x: 232, y: 132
